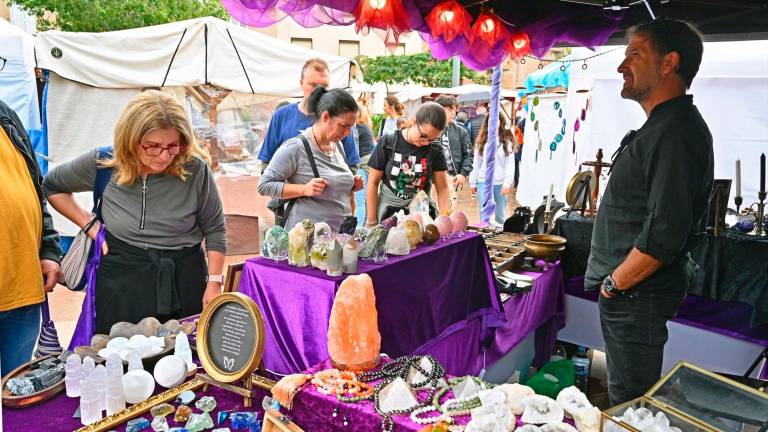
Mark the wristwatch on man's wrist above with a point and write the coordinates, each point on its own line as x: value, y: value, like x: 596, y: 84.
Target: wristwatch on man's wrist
x: 215, y: 278
x: 609, y: 285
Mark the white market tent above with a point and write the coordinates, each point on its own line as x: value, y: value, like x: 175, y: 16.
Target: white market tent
x: 730, y: 90
x: 92, y: 76
x: 18, y: 88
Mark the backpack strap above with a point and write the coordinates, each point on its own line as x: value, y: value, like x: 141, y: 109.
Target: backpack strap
x: 103, y: 175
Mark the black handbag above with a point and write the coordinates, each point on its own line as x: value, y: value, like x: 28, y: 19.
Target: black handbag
x: 282, y: 207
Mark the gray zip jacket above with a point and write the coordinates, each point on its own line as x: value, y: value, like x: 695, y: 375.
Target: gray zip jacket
x: 161, y: 212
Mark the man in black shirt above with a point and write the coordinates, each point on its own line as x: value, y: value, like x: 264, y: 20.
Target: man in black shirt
x: 653, y: 204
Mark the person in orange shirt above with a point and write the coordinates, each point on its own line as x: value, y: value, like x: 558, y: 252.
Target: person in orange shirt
x: 29, y: 250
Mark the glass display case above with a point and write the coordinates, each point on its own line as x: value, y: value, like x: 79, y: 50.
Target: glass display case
x: 692, y: 399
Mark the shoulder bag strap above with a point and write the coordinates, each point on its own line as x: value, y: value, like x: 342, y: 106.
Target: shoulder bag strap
x: 311, y: 158
x: 103, y: 175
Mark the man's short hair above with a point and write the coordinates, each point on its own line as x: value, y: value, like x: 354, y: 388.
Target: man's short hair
x: 316, y: 64
x: 682, y: 37
x: 447, y: 101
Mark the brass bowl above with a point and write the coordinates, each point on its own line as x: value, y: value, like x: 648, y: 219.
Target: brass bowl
x: 544, y: 246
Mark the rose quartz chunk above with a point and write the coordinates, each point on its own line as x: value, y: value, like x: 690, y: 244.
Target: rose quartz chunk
x: 459, y: 221
x: 353, y: 332
x: 444, y: 225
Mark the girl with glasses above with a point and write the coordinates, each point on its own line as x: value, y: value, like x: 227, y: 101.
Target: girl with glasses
x: 407, y: 162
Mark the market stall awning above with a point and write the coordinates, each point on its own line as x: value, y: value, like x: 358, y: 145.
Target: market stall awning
x: 184, y: 53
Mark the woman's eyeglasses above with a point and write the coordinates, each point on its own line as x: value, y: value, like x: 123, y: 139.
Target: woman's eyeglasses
x: 157, y: 150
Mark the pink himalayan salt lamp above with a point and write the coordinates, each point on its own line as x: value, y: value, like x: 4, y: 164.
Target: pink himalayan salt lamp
x: 444, y: 225
x: 354, y: 340
x: 459, y: 221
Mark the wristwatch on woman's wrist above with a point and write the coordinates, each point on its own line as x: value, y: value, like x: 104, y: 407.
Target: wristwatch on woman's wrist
x: 215, y: 278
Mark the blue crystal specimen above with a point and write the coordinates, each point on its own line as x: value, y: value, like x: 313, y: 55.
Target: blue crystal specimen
x: 137, y: 425
x: 242, y: 420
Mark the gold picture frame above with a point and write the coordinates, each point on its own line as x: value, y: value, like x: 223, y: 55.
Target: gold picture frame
x: 203, y: 326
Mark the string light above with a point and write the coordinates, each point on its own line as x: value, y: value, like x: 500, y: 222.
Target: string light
x: 378, y: 4
x: 446, y: 16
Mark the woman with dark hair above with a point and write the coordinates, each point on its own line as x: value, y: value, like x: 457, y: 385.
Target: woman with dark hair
x: 290, y: 174
x: 504, y: 166
x: 393, y: 110
x: 407, y: 162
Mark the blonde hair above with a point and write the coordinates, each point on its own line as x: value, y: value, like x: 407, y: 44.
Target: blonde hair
x: 362, y: 114
x: 149, y: 111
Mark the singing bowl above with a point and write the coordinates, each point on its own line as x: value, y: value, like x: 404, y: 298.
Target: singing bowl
x: 544, y: 246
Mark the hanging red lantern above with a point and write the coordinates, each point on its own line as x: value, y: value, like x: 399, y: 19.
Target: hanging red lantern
x: 519, y: 44
x: 389, y: 15
x: 448, y: 20
x: 488, y: 28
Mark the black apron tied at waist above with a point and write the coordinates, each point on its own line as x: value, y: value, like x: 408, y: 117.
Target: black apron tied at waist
x: 167, y: 296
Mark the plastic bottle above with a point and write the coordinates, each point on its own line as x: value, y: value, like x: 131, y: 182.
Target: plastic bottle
x: 581, y: 367
x: 558, y: 353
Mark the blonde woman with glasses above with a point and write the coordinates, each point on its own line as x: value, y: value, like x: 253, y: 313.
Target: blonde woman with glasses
x: 161, y: 202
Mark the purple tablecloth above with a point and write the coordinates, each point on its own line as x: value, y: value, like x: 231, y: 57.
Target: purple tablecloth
x: 433, y: 292
x: 55, y: 415
x: 541, y: 310
x: 731, y: 319
x: 313, y: 411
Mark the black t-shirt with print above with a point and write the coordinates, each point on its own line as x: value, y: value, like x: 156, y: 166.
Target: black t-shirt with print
x: 407, y: 168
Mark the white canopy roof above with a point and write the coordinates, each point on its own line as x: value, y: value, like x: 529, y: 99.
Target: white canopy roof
x: 464, y: 93
x: 198, y: 51
x: 17, y: 78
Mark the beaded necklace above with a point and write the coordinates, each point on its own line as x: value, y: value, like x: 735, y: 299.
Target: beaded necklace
x: 399, y: 368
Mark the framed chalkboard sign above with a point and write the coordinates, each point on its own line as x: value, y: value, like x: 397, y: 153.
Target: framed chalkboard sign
x: 230, y: 338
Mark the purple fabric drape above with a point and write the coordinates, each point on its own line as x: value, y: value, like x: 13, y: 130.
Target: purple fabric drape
x: 313, y: 411
x: 56, y: 414
x: 546, y: 24
x: 730, y: 319
x: 86, y: 322
x: 433, y: 292
x: 489, y: 203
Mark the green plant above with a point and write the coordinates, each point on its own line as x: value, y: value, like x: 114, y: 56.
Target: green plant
x: 419, y: 68
x: 109, y: 15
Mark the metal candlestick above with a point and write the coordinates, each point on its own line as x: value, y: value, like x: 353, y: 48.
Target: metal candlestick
x: 738, y: 200
x: 547, y: 222
x: 760, y: 216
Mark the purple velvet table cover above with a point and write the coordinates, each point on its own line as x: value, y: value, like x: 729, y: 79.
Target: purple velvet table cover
x: 55, y: 415
x: 434, y: 291
x: 541, y: 310
x: 727, y: 318
x: 313, y: 411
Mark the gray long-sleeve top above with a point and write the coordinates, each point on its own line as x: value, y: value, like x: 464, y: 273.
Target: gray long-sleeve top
x: 291, y: 165
x: 175, y: 213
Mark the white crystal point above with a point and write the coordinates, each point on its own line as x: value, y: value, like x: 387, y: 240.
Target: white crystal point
x: 100, y: 378
x: 90, y: 405
x: 541, y: 410
x: 114, y: 365
x: 466, y: 388
x: 414, y: 376
x: 572, y: 399
x: 516, y: 394
x: 138, y: 386
x: 558, y: 427
x: 115, y: 398
x: 397, y: 395
x: 170, y: 371
x: 587, y: 419
x: 73, y: 375
x: 134, y: 360
x: 183, y: 351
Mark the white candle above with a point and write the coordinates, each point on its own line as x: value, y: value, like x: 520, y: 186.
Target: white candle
x: 549, y: 198
x: 738, y: 177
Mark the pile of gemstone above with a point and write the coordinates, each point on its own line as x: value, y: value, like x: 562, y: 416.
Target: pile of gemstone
x: 41, y: 375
